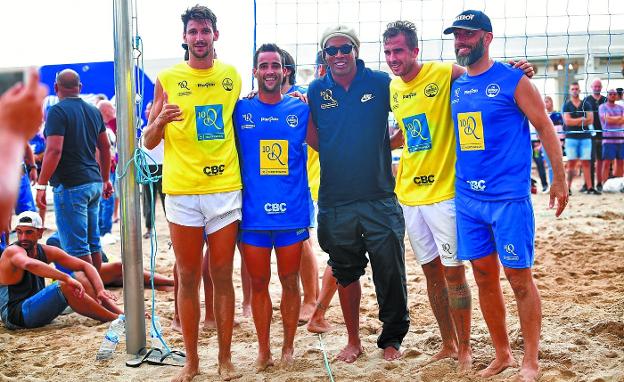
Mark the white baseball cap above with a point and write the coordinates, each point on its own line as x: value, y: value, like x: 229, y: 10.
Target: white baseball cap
x: 29, y: 219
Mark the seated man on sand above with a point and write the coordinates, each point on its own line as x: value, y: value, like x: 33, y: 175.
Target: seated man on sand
x: 25, y: 301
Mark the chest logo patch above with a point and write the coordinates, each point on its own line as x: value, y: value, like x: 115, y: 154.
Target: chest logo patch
x: 431, y: 90
x: 209, y: 122
x: 418, y: 136
x: 327, y: 99
x: 292, y: 120
x: 273, y: 157
x: 227, y: 84
x: 492, y: 90
x: 470, y: 129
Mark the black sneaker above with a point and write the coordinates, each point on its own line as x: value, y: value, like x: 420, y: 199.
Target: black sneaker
x: 583, y: 189
x: 593, y: 191
x: 599, y: 187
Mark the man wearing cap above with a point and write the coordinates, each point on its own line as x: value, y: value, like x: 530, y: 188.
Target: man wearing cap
x: 491, y: 106
x: 358, y: 210
x: 25, y: 301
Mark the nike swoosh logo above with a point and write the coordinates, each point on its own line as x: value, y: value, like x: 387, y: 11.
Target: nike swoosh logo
x: 367, y: 97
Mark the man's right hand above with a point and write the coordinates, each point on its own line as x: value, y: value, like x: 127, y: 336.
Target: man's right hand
x: 76, y: 287
x: 20, y: 107
x: 169, y: 112
x: 107, y: 189
x: 40, y: 199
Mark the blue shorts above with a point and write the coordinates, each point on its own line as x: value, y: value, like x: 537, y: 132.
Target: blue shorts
x: 25, y: 200
x: 40, y: 309
x: 611, y: 151
x: 77, y: 210
x: 273, y: 238
x: 578, y: 148
x: 507, y: 227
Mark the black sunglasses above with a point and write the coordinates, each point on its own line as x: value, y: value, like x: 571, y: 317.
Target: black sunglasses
x: 333, y: 50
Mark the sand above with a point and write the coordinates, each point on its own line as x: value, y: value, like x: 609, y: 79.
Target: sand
x: 579, y: 272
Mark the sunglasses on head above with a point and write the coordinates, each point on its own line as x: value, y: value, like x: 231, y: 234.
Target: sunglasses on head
x: 333, y: 50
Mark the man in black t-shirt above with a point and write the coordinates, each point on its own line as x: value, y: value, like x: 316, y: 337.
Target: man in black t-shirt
x: 593, y: 101
x: 578, y: 138
x: 73, y: 130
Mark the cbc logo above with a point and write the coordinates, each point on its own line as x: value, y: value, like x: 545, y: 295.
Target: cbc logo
x: 477, y: 185
x: 275, y: 208
x: 424, y: 180
x: 214, y: 170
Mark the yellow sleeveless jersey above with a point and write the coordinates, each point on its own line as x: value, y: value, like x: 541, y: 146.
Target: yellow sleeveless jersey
x: 422, y: 108
x: 314, y: 172
x: 200, y: 151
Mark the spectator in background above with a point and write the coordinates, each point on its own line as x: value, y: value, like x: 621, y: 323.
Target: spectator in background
x: 154, y: 163
x: 593, y: 101
x: 108, y: 206
x: 557, y: 120
x: 288, y: 84
x: 37, y: 145
x: 620, y: 96
x: 74, y: 129
x: 577, y: 117
x: 612, y: 118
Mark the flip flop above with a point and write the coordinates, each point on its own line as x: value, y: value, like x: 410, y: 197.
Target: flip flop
x: 140, y: 358
x: 158, y: 357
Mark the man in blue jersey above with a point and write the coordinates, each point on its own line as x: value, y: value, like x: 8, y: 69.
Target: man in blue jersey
x: 358, y: 210
x: 491, y: 105
x: 271, y: 131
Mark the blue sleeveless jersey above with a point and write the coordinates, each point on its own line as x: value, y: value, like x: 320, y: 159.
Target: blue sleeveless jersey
x: 493, y: 138
x: 271, y: 142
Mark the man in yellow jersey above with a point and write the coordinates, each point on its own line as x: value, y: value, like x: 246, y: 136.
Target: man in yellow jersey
x: 192, y: 111
x: 425, y: 182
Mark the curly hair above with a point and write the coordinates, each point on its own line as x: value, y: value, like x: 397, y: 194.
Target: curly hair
x: 407, y: 28
x: 199, y: 12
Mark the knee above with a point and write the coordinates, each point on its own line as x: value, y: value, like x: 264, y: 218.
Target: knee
x: 521, y: 282
x: 221, y: 275
x: 260, y: 283
x: 486, y: 278
x: 188, y: 277
x: 455, y: 275
x: 290, y: 282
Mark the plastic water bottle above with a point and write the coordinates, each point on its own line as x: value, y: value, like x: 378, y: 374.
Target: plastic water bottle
x: 155, y: 333
x: 116, y: 330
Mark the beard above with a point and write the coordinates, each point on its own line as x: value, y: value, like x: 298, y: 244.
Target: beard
x: 475, y: 54
x: 199, y: 55
x: 270, y: 89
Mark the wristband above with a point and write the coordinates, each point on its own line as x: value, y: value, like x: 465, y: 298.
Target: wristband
x: 41, y: 187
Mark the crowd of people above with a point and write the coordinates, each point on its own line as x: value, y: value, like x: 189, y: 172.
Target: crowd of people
x: 264, y: 171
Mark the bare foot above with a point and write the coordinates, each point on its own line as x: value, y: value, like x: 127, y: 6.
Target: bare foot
x: 187, y: 373
x: 392, y: 354
x: 305, y: 313
x: 497, y: 366
x: 527, y: 374
x: 175, y: 325
x: 464, y: 363
x: 211, y: 324
x: 350, y: 353
x: 228, y: 372
x: 263, y: 362
x: 287, y: 360
x: 319, y: 325
x: 443, y: 354
x: 247, y: 310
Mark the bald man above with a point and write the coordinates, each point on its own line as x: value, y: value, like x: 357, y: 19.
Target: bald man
x: 74, y: 129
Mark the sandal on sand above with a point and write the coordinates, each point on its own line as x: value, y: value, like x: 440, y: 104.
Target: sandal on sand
x: 156, y: 356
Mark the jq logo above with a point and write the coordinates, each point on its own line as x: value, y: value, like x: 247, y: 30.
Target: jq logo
x: 470, y: 131
x: 417, y: 133
x: 273, y: 157
x: 209, y: 122
x: 214, y: 170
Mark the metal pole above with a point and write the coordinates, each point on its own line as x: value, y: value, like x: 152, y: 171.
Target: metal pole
x: 131, y: 253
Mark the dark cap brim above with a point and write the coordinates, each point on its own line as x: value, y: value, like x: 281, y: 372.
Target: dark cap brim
x: 450, y: 30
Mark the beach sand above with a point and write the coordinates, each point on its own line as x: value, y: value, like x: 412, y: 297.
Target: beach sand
x: 578, y: 269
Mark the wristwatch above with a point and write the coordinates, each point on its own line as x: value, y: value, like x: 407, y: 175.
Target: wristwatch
x: 40, y: 187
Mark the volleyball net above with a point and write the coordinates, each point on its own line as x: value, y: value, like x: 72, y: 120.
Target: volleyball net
x: 567, y: 40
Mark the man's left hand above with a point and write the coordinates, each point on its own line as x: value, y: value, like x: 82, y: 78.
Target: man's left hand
x: 107, y: 189
x: 526, y: 66
x: 105, y: 295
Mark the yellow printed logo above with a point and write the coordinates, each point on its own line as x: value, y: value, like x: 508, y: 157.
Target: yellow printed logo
x: 470, y: 130
x: 273, y: 157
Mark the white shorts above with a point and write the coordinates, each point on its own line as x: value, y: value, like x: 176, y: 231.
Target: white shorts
x: 211, y: 211
x: 432, y: 232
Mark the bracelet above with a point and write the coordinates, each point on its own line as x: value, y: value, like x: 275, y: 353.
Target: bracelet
x: 41, y: 187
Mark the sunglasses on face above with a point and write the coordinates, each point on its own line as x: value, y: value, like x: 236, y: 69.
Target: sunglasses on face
x: 333, y: 50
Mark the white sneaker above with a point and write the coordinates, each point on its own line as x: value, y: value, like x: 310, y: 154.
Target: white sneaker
x: 108, y: 239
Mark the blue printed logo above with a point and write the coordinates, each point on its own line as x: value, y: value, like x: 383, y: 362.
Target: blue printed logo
x: 417, y: 135
x: 209, y: 122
